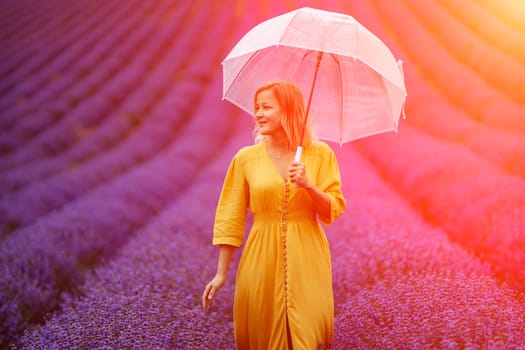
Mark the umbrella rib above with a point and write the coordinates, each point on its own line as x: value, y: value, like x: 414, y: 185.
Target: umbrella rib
x: 243, y: 68
x: 308, y: 52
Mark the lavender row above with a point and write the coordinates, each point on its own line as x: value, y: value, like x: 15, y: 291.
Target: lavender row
x: 215, y: 326
x: 488, y: 26
x: 431, y: 311
x: 501, y: 147
x: 27, y: 30
x: 63, y: 52
x: 87, y: 87
x: 40, y: 261
x: 124, y: 92
x: 373, y: 249
x: 371, y: 231
x: 133, y: 112
x: 148, y: 296
x: 428, y: 110
x: 512, y: 15
x: 480, y: 206
x: 498, y: 109
x: 12, y: 10
x: 77, y: 97
x: 57, y: 52
x: 70, y: 89
x: 41, y: 197
x: 503, y: 71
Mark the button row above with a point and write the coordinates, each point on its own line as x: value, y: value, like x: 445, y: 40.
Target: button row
x: 284, y: 229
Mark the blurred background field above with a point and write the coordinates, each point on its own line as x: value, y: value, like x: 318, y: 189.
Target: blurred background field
x: 114, y: 143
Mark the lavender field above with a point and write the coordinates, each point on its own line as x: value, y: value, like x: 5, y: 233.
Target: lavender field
x: 114, y: 143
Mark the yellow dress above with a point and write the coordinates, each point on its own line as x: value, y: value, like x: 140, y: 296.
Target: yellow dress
x: 283, y: 292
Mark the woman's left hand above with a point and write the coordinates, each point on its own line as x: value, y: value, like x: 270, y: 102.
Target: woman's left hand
x: 297, y: 174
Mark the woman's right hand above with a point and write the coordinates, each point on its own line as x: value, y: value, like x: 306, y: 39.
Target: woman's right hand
x: 208, y: 297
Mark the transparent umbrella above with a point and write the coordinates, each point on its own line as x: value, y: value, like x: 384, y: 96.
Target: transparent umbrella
x: 355, y: 86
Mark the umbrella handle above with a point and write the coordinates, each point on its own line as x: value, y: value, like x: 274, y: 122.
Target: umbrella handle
x: 298, y: 153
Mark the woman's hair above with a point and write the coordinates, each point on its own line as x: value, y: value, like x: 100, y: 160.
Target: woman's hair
x: 293, y: 111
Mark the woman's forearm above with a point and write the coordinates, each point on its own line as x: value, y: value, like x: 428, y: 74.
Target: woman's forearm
x: 225, y: 258
x: 321, y: 201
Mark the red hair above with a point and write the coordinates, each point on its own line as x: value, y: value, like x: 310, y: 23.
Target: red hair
x: 291, y: 102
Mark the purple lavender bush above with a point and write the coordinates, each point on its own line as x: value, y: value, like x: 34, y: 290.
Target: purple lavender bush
x: 148, y: 296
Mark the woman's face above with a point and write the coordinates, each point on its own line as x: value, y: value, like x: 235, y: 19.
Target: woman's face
x: 268, y: 113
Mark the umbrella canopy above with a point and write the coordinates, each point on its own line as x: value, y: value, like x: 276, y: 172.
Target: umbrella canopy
x: 359, y: 87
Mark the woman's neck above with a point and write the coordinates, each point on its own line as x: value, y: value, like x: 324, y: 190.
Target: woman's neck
x: 278, y: 144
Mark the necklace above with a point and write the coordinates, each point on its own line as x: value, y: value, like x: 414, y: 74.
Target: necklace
x: 278, y: 154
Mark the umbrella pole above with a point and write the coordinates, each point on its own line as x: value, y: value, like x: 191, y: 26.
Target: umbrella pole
x: 300, y: 147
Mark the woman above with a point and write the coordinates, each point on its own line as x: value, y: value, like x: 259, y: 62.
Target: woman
x: 283, y: 295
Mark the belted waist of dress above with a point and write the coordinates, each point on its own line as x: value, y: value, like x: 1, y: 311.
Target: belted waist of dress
x: 278, y: 216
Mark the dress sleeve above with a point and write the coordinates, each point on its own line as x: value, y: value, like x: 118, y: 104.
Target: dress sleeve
x: 230, y: 217
x: 330, y: 182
